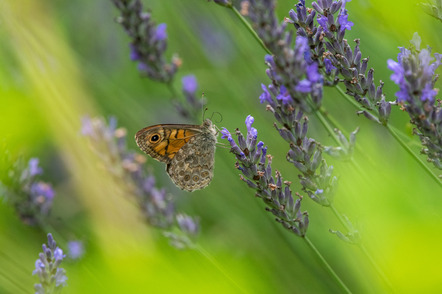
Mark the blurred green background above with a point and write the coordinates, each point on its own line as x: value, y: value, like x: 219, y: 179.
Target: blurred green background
x: 61, y: 60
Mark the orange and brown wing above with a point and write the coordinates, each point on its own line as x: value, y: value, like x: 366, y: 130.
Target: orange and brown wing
x: 162, y: 142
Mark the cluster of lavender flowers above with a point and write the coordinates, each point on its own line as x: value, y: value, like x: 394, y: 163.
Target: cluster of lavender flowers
x: 414, y: 72
x: 149, y: 41
x: 148, y: 46
x: 296, y: 75
x: 333, y: 53
x: 305, y: 153
x: 251, y: 158
x: 47, y: 267
x: 31, y: 197
x: 157, y: 205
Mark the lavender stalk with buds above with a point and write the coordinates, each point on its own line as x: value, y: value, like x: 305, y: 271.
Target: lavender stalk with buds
x: 276, y: 194
x: 149, y: 41
x: 148, y: 46
x: 256, y: 169
x: 47, y: 267
x: 156, y: 204
x: 31, y: 197
x: 305, y: 153
x: 297, y: 77
x: 335, y: 56
x: 414, y: 72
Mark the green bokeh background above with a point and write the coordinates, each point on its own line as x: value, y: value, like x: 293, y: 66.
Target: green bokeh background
x: 61, y: 60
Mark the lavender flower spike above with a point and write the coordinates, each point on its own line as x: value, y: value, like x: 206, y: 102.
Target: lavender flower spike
x: 340, y: 63
x: 414, y: 72
x: 149, y: 41
x: 31, y: 198
x: 52, y: 277
x: 251, y: 161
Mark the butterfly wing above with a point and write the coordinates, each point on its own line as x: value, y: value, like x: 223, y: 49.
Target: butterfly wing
x: 192, y: 166
x: 162, y: 142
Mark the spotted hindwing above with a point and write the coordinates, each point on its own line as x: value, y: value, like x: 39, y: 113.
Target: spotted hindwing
x: 187, y: 150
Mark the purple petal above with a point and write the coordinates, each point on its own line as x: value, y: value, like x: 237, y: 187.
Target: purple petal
x: 265, y: 96
x: 312, y: 73
x: 189, y: 84
x: 161, y: 33
x: 304, y: 86
x: 33, y: 167
x: 328, y: 66
x: 226, y: 134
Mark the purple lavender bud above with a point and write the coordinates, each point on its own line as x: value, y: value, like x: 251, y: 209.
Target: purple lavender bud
x: 397, y: 69
x: 306, y: 222
x: 258, y: 152
x: 187, y: 224
x: 364, y: 65
x: 304, y: 86
x: 226, y: 135
x: 265, y: 96
x: 86, y: 126
x: 379, y: 94
x: 372, y: 91
x: 328, y: 66
x: 252, y: 133
x: 384, y: 111
x: 42, y: 189
x: 160, y: 33
x: 33, y: 167
x: 313, y: 73
x: 284, y: 95
x: 189, y: 84
x: 241, y: 141
x: 369, y: 116
x: 75, y: 249
x: 317, y: 8
x: 263, y: 156
x: 301, y: 44
x: 336, y: 5
x: 323, y: 21
x: 293, y: 15
x: 316, y: 161
x: 144, y: 68
x: 428, y: 93
x: 134, y: 54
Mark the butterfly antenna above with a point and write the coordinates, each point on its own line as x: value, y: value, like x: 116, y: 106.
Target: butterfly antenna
x: 220, y: 117
x: 203, y: 109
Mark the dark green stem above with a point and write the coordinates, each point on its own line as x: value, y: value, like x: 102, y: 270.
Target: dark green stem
x: 325, y: 263
x: 249, y: 28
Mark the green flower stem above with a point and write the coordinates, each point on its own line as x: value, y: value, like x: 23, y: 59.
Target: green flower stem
x: 172, y: 90
x: 249, y: 28
x: 213, y: 261
x: 325, y: 263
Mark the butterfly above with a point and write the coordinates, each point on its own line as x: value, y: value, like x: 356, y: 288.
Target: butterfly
x: 187, y: 150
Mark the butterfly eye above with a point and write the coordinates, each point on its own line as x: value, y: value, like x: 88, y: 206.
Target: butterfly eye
x: 154, y: 138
